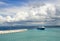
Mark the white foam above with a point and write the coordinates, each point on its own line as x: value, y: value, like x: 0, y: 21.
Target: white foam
x: 11, y: 31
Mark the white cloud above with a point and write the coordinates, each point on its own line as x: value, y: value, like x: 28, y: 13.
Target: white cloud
x: 27, y: 13
x: 2, y: 19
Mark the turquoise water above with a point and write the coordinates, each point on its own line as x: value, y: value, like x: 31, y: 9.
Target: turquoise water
x: 49, y: 34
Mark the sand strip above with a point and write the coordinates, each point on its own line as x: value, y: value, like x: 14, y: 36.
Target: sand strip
x: 11, y: 31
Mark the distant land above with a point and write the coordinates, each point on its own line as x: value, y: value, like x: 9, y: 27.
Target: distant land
x: 55, y: 26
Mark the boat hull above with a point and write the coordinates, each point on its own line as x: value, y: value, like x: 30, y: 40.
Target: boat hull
x: 41, y: 28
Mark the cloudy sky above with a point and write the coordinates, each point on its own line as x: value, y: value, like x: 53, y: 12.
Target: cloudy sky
x: 15, y: 11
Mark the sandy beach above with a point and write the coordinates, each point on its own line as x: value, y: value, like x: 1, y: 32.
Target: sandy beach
x: 11, y: 31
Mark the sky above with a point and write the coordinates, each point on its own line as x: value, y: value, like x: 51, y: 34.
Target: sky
x: 15, y: 11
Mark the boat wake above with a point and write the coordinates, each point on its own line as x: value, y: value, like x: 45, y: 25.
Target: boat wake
x: 12, y: 31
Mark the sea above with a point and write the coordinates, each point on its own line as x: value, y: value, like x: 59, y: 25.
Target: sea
x: 49, y: 34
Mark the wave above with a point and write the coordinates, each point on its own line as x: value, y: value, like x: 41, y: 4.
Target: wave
x: 12, y: 31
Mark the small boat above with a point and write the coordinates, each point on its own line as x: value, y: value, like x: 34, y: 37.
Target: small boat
x: 41, y: 28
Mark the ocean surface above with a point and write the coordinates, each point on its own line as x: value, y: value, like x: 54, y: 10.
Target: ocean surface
x: 49, y: 34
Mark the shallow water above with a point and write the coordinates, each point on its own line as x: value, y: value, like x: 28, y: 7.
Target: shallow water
x: 49, y: 34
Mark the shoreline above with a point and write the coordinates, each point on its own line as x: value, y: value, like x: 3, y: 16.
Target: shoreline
x: 11, y: 31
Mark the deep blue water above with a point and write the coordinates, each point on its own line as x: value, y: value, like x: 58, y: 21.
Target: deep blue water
x: 24, y: 27
x: 16, y: 27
